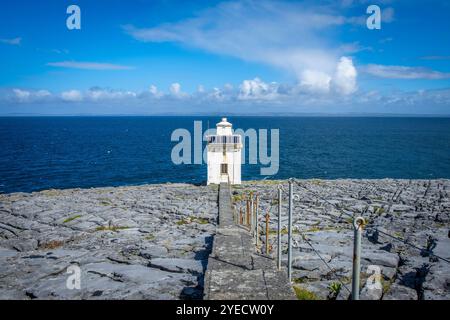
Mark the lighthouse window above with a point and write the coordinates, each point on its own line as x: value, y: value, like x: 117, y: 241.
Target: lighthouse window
x: 224, y: 168
x: 224, y: 139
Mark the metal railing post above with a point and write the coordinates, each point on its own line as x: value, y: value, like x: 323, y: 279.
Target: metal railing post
x: 267, y: 232
x: 290, y: 230
x: 248, y: 212
x: 358, y: 224
x: 256, y: 226
x: 279, y: 230
x: 241, y: 217
x: 251, y: 214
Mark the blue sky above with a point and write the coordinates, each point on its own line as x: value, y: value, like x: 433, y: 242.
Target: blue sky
x: 182, y: 57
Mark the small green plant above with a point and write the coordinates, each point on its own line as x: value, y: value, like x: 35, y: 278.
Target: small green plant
x: 182, y: 222
x: 303, y: 294
x: 334, y: 289
x: 399, y: 235
x: 274, y: 202
x: 111, y: 228
x: 300, y: 280
x: 191, y: 219
x: 150, y: 237
x: 386, y: 284
x: 72, y: 218
x: 200, y: 220
x: 237, y: 198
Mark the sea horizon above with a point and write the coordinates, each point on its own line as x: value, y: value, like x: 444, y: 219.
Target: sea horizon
x: 60, y: 152
x: 267, y: 114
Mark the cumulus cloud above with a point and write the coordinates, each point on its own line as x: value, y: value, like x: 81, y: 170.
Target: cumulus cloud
x: 22, y: 95
x: 88, y: 65
x: 14, y: 41
x: 98, y: 93
x: 404, y: 72
x: 344, y: 79
x: 200, y: 88
x: 155, y: 92
x: 284, y: 34
x: 257, y: 90
x: 175, y: 91
x: 315, y: 81
x: 72, y: 96
x: 262, y: 96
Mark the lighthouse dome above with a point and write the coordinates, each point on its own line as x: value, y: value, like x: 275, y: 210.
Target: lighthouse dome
x: 224, y: 128
x: 223, y: 123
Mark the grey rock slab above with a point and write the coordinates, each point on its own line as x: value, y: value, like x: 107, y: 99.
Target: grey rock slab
x: 400, y: 292
x: 153, y: 251
x: 177, y: 265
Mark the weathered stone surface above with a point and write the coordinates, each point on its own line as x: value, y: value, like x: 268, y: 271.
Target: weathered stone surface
x: 143, y: 242
x: 42, y: 233
x: 178, y: 265
x: 412, y: 216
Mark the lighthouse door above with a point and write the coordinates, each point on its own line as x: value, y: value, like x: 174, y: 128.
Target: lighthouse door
x: 223, y: 168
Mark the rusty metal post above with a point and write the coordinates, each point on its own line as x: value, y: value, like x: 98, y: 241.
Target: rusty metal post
x: 267, y: 232
x: 248, y: 213
x: 252, y: 214
x: 291, y: 199
x: 358, y: 224
x: 241, y: 218
x: 279, y: 230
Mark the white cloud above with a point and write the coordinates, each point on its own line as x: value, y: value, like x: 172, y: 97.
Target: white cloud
x: 42, y: 93
x: 72, y: 96
x: 294, y: 36
x: 155, y: 92
x: 257, y: 90
x: 315, y: 81
x: 88, y: 65
x: 200, y: 89
x: 404, y: 72
x: 175, y: 91
x: 288, y: 35
x: 97, y: 94
x: 13, y: 42
x: 21, y: 95
x: 259, y: 95
x: 228, y: 87
x: 344, y: 80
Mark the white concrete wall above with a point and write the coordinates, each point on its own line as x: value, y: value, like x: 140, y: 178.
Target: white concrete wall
x: 216, y: 158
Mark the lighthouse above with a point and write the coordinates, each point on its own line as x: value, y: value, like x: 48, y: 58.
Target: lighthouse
x: 224, y: 155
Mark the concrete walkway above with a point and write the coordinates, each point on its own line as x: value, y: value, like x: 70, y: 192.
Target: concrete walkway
x: 235, y: 271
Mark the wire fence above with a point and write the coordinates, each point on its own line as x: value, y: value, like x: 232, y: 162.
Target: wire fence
x: 253, y: 220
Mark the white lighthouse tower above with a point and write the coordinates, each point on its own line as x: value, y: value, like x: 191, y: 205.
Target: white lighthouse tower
x: 224, y: 155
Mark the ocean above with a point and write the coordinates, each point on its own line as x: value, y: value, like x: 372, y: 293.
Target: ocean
x: 38, y: 153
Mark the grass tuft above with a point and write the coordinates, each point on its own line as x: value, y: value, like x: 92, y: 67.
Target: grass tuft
x: 111, y: 228
x: 72, y: 218
x: 303, y: 294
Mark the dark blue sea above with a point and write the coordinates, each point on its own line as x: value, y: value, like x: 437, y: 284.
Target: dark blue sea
x: 39, y: 153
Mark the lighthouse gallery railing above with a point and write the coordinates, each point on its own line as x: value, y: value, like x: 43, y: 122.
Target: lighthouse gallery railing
x: 224, y: 139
